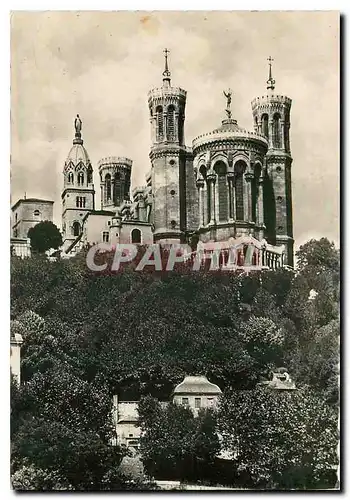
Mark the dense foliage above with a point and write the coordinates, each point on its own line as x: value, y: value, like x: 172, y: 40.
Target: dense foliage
x: 280, y: 439
x: 174, y: 442
x: 44, y: 236
x: 88, y: 336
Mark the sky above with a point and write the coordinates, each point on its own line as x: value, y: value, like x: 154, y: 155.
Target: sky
x: 102, y: 65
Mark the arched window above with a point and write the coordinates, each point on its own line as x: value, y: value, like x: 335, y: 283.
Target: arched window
x: 71, y: 178
x: 135, y: 236
x: 108, y: 187
x: 117, y: 190
x: 76, y: 228
x: 240, y: 167
x: 276, y: 131
x: 256, y: 124
x: 170, y: 129
x: 77, y: 201
x: 36, y: 213
x: 220, y: 169
x: 265, y: 125
x: 80, y: 178
x: 159, y: 123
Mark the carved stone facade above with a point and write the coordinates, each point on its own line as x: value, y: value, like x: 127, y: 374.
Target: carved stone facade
x: 232, y: 183
x: 115, y: 173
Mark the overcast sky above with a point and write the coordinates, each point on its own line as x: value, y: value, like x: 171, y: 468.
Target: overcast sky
x: 102, y: 64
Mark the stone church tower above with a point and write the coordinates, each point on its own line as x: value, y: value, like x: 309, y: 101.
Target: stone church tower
x: 271, y: 115
x: 173, y: 183
x: 78, y: 196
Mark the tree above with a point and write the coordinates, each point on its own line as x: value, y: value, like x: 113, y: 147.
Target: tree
x: 320, y: 254
x: 175, y: 444
x: 316, y: 364
x: 44, y: 236
x: 62, y: 424
x: 280, y: 439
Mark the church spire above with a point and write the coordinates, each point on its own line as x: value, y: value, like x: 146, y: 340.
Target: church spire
x: 78, y: 126
x: 270, y: 82
x: 166, y: 72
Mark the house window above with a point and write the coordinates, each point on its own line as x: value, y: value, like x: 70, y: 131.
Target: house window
x: 210, y: 402
x: 71, y: 178
x: 16, y: 217
x: 80, y: 201
x: 36, y: 213
x: 197, y: 402
x: 105, y: 236
x: 130, y: 435
x: 15, y: 233
x: 185, y: 401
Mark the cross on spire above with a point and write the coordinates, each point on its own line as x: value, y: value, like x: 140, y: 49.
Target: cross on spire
x: 166, y: 72
x: 270, y: 82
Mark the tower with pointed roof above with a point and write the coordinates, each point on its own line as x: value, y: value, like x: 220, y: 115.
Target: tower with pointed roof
x: 271, y: 114
x: 174, y: 209
x: 78, y: 195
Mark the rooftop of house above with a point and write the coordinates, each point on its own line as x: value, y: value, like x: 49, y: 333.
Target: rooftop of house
x: 197, y: 384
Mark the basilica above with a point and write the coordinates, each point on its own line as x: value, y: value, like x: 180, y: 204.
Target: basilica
x: 231, y: 184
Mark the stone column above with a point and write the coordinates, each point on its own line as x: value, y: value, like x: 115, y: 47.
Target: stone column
x: 270, y: 133
x: 112, y: 190
x: 282, y: 135
x: 248, y: 202
x: 231, y: 195
x: 216, y: 191
x: 102, y: 194
x: 205, y: 204
x: 211, y: 180
x: 176, y: 126
x: 287, y: 145
x: 260, y: 207
x: 200, y: 186
x: 164, y: 126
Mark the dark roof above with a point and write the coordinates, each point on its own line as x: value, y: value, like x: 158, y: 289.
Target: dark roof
x: 99, y: 212
x: 102, y: 212
x: 31, y: 200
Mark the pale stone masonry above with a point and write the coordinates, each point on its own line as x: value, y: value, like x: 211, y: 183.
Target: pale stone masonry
x: 231, y: 183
